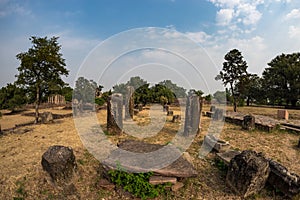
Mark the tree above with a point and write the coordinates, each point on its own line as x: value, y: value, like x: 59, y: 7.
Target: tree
x: 234, y: 70
x: 12, y: 97
x: 85, y: 90
x: 41, y: 69
x: 282, y: 78
x: 220, y: 96
x: 178, y: 91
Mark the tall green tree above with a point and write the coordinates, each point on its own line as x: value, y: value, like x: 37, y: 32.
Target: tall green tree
x: 85, y: 90
x: 12, y: 97
x: 282, y: 78
x: 233, y: 71
x: 41, y: 69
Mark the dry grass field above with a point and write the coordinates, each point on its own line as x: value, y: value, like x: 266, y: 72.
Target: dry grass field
x: 21, y: 174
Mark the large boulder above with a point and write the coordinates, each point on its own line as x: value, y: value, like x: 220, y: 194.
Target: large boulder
x: 247, y: 173
x: 46, y: 117
x: 283, y: 180
x: 59, y: 162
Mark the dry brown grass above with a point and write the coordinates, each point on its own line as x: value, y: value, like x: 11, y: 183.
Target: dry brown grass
x: 20, y: 154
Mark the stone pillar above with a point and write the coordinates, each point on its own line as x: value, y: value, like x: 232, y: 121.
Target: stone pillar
x: 129, y: 103
x: 249, y: 122
x: 247, y: 173
x: 115, y: 114
x: 60, y: 163
x: 192, y: 114
x: 218, y: 114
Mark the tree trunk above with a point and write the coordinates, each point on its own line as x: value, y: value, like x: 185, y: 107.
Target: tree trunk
x: 234, y: 98
x: 37, y: 102
x: 248, y: 101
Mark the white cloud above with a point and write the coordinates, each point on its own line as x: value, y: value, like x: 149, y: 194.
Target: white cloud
x: 294, y: 32
x: 224, y: 16
x: 198, y: 36
x: 294, y: 14
x: 243, y: 12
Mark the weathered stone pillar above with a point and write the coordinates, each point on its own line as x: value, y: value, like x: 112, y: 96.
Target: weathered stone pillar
x: 129, y: 103
x: 192, y: 114
x: 115, y: 113
x: 59, y: 162
x: 249, y: 122
x: 218, y: 114
x: 247, y: 173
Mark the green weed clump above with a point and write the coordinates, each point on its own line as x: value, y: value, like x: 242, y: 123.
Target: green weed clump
x: 137, y: 183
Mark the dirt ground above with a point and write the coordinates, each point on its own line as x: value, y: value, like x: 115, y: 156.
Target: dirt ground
x: 21, y: 174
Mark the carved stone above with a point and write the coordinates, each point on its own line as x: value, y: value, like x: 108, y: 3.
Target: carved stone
x: 247, y: 173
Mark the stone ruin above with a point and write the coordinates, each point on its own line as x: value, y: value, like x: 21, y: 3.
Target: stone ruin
x: 46, y: 117
x: 283, y: 114
x: 129, y: 103
x: 56, y: 99
x: 115, y: 113
x: 59, y: 162
x: 247, y: 173
x: 192, y: 114
x: 248, y: 122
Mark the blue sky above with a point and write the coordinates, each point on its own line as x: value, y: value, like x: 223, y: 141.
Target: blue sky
x: 260, y: 29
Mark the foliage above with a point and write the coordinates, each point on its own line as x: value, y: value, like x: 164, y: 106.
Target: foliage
x: 282, y: 79
x: 220, y: 96
x: 86, y: 90
x: 41, y: 69
x: 233, y: 71
x: 67, y: 92
x: 208, y: 98
x: 136, y: 183
x: 163, y: 92
x: 179, y: 92
x: 12, y: 97
x: 99, y: 101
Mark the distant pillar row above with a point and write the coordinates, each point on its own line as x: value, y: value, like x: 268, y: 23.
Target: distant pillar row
x: 56, y: 99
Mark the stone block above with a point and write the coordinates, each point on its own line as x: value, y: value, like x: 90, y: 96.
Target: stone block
x: 283, y: 180
x: 227, y: 156
x: 283, y: 114
x: 59, y: 162
x: 170, y: 113
x: 176, y: 118
x: 248, y: 122
x: 156, y: 180
x: 247, y: 173
x: 216, y: 144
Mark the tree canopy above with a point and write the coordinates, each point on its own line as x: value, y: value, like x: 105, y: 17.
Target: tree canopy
x: 233, y: 71
x: 282, y: 79
x: 41, y: 69
x: 12, y: 97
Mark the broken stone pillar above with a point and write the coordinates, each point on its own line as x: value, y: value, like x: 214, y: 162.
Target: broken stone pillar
x: 218, y: 114
x: 212, y: 108
x: 46, y: 117
x: 215, y: 143
x: 283, y: 180
x: 249, y: 122
x: 115, y: 113
x: 192, y: 114
x: 176, y: 118
x: 247, y: 173
x: 170, y: 113
x: 283, y: 114
x: 59, y: 162
x: 129, y: 103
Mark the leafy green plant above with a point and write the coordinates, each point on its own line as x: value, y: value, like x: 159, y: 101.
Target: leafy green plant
x: 136, y: 183
x: 221, y: 165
